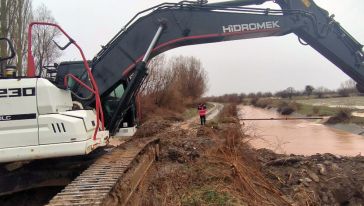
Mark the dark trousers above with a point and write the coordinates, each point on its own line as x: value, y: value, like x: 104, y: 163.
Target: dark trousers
x: 203, y: 119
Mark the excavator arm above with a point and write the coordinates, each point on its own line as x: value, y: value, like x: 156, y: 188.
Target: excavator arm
x: 332, y: 40
x: 189, y: 23
x: 326, y: 36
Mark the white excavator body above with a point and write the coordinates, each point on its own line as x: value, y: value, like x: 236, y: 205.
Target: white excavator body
x: 37, y: 121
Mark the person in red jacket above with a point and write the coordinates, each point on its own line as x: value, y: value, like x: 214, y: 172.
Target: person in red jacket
x: 202, y: 112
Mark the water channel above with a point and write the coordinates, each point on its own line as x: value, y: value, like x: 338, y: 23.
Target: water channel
x: 304, y: 137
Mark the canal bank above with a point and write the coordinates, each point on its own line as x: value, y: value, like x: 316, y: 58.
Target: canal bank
x: 310, y: 163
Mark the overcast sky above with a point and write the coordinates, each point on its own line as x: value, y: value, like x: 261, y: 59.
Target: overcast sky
x: 265, y: 64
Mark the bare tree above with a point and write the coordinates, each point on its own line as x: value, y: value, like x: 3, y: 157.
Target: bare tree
x: 7, y: 22
x: 23, y: 18
x: 14, y: 18
x: 309, y: 89
x: 153, y: 80
x: 321, y: 92
x: 173, y: 83
x: 190, y: 76
x: 158, y: 83
x: 44, y: 49
x: 290, y: 92
x: 348, y: 87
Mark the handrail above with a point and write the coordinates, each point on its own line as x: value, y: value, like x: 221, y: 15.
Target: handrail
x: 94, y: 89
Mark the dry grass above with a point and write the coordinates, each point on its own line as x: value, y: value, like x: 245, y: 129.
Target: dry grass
x: 210, y: 166
x: 247, y: 179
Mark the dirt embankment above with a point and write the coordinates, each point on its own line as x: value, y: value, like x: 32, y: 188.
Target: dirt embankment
x: 321, y: 179
x: 213, y: 165
x: 206, y: 166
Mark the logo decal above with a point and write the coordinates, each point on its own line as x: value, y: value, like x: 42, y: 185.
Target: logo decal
x: 17, y: 92
x: 4, y: 118
x: 250, y: 27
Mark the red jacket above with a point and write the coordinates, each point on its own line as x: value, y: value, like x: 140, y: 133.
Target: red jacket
x: 202, y: 110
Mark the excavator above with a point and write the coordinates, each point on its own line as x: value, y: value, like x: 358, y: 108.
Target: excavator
x: 76, y: 109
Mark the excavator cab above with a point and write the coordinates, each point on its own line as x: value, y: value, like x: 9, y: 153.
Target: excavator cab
x: 109, y: 100
x: 70, y: 67
x: 49, y: 72
x: 129, y: 119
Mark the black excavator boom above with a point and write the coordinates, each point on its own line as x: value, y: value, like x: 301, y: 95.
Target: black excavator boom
x: 189, y: 23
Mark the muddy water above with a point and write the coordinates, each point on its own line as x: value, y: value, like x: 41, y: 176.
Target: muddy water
x: 298, y: 136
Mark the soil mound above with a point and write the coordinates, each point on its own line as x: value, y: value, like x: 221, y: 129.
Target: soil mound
x: 206, y: 166
x: 321, y: 179
x: 152, y: 127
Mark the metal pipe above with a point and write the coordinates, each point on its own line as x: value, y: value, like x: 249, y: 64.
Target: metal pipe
x: 153, y: 43
x: 285, y: 118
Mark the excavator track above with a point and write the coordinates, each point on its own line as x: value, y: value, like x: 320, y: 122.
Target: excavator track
x: 118, y: 172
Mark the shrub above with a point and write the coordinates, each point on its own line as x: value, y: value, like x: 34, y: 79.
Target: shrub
x: 285, y: 108
x: 254, y: 101
x: 343, y: 92
x: 315, y: 110
x: 264, y: 103
x: 342, y: 116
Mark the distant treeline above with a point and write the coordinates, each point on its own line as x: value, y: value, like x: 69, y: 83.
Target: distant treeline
x: 347, y: 88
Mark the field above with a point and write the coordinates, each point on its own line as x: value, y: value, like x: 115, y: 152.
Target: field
x: 329, y: 107
x: 347, y: 102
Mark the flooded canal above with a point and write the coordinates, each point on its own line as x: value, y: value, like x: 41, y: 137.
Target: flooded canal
x: 298, y: 136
